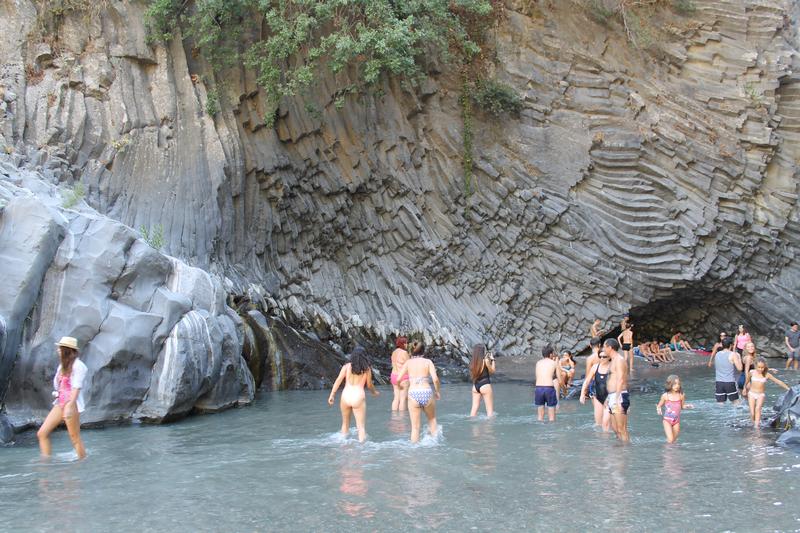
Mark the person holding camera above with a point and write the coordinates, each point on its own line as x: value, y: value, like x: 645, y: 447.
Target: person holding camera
x: 481, y: 369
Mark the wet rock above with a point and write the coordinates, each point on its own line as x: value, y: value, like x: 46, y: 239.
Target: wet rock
x: 787, y: 410
x: 6, y: 430
x: 789, y: 439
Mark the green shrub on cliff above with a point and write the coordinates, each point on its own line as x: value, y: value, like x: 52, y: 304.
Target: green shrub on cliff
x: 289, y: 42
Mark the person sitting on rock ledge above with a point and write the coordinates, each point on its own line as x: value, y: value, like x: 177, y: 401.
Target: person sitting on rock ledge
x: 69, y: 403
x: 677, y: 343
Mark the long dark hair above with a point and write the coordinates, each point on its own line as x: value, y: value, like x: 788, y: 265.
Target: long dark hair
x: 477, y: 364
x: 418, y: 349
x: 359, y: 363
x: 67, y: 356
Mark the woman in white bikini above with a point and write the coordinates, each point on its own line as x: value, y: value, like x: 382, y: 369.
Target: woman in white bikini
x: 356, y: 375
x: 423, y: 390
x: 758, y: 383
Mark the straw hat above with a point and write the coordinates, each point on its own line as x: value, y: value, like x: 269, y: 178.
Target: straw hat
x: 68, y: 342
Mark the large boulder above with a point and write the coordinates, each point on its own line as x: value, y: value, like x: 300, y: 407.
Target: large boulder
x: 787, y: 410
x: 30, y: 234
x: 154, y: 332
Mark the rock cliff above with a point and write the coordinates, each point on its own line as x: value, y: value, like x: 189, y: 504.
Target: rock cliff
x: 660, y: 179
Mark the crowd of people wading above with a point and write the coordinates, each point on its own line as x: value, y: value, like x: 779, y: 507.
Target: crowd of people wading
x: 739, y: 372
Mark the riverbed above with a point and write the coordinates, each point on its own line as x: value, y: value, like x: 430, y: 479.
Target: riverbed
x: 280, y: 465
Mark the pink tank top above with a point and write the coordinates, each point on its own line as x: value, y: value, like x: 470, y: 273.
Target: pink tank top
x: 64, y: 390
x: 741, y: 340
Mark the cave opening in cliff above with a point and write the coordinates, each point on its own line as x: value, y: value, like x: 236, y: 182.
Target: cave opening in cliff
x: 698, y: 314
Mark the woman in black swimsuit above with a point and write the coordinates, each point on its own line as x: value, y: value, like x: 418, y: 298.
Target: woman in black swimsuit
x: 481, y: 368
x: 599, y: 374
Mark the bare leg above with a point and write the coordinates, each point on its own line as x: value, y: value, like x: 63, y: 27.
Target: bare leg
x: 676, y: 430
x: 668, y: 431
x: 757, y: 414
x: 598, y: 412
x: 396, y: 397
x: 607, y: 420
x: 430, y: 412
x: 551, y: 414
x: 361, y: 419
x: 488, y: 399
x: 74, y: 430
x: 541, y: 412
x: 629, y: 355
x: 54, y: 418
x: 415, y: 413
x: 476, y: 402
x: 621, y: 423
x: 404, y: 395
x: 346, y: 410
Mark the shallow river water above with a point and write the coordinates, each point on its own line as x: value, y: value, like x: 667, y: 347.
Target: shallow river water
x: 280, y: 466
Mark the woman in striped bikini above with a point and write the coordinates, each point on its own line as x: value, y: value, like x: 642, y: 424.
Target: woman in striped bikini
x: 423, y: 389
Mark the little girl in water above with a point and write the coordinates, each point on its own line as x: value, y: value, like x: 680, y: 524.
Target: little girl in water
x: 356, y: 375
x: 673, y: 401
x: 758, y: 382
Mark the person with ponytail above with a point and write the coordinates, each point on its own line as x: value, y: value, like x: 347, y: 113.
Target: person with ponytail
x: 69, y: 403
x: 481, y: 368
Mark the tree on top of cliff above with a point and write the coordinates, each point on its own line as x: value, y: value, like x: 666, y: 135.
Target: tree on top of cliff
x: 288, y: 42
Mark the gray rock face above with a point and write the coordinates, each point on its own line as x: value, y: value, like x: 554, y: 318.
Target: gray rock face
x: 787, y: 410
x: 661, y: 182
x: 155, y: 333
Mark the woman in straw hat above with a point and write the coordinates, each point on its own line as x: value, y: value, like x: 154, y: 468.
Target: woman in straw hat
x: 69, y: 404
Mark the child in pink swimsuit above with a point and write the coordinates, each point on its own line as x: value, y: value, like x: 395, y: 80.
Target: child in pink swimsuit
x: 673, y: 401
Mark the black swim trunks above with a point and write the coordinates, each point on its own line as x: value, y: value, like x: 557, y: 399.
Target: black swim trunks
x: 626, y: 346
x: 726, y: 390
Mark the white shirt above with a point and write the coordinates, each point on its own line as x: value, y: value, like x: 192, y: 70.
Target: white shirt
x: 76, y: 380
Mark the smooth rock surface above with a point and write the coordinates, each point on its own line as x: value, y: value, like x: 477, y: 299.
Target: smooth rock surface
x: 155, y: 333
x: 787, y: 410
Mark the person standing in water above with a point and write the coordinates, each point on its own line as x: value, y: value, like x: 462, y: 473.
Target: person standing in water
x: 748, y: 362
x: 597, y: 376
x: 481, y: 369
x: 626, y: 340
x: 69, y: 403
x: 618, y: 398
x: 673, y: 401
x: 356, y: 375
x: 547, y: 372
x: 399, y: 383
x: 793, y: 346
x: 742, y: 338
x: 423, y: 390
x: 725, y: 363
x: 758, y: 384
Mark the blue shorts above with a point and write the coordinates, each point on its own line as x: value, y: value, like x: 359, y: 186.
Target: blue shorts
x: 545, y: 396
x: 794, y: 354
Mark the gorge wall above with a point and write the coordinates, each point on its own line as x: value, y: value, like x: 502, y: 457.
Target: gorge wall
x: 659, y: 180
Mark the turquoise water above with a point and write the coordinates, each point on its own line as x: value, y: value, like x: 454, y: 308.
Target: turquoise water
x: 280, y: 466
